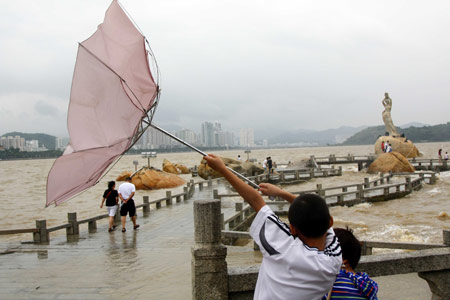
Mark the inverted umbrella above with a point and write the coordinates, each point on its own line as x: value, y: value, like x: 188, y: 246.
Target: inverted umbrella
x: 112, y: 102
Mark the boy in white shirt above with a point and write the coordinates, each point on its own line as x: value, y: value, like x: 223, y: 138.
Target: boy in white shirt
x: 300, y: 260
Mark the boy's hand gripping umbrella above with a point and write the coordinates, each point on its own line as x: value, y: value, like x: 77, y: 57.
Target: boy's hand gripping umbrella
x: 112, y: 102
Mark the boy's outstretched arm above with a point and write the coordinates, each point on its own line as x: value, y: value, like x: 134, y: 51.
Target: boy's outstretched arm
x: 272, y: 190
x: 250, y: 195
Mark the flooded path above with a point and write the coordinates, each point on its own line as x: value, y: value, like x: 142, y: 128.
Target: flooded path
x: 153, y: 262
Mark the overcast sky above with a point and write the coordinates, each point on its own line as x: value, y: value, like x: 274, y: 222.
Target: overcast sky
x: 284, y: 64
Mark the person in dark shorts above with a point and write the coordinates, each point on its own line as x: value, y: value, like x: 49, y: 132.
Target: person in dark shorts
x: 126, y: 193
x: 112, y: 200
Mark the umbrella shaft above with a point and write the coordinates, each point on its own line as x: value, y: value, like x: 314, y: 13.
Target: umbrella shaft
x: 202, y: 153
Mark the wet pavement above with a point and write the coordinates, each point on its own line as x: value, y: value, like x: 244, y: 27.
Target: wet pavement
x: 153, y: 262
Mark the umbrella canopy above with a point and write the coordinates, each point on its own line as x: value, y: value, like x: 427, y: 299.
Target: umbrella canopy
x: 112, y: 91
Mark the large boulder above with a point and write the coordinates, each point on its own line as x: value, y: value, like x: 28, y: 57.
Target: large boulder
x: 390, y: 162
x: 169, y: 167
x: 247, y: 168
x: 399, y: 144
x: 182, y: 169
x: 123, y: 176
x: 150, y: 179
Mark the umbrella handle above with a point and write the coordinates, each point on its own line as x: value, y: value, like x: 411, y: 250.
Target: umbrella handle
x: 254, y: 185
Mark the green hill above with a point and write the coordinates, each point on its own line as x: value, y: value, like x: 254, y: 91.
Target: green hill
x: 49, y: 141
x: 436, y: 133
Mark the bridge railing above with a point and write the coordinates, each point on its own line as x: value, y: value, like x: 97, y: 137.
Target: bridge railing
x: 41, y: 233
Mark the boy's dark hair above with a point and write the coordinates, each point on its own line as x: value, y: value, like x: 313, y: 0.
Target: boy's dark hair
x: 111, y: 184
x: 351, y: 248
x: 309, y: 214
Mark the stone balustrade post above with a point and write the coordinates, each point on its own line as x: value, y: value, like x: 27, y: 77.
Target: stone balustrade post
x: 408, y: 186
x: 340, y: 171
x: 146, y: 207
x: 360, y: 194
x: 438, y: 281
x: 92, y: 226
x: 186, y: 193
x: 168, y: 198
x: 446, y: 237
x: 340, y: 199
x: 215, y: 194
x: 74, y: 228
x: 433, y: 178
x: 209, y: 267
x: 366, y: 183
x: 239, y: 206
x: 42, y: 236
x: 320, y: 192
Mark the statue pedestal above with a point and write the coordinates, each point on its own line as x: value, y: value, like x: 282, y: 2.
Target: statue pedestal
x: 398, y: 144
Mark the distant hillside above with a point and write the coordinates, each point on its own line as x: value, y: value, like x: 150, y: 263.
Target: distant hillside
x: 49, y: 141
x: 436, y: 133
x: 322, y: 137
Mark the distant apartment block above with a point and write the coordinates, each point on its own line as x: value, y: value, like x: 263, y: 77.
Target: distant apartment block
x: 208, y: 134
x: 246, y: 137
x: 61, y: 143
x: 213, y: 136
x: 154, y: 139
x: 188, y: 136
x: 33, y: 146
x: 16, y: 142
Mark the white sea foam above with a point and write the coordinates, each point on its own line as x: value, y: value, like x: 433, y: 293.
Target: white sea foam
x: 434, y: 191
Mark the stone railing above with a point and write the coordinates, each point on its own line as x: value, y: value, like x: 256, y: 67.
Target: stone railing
x: 212, y: 279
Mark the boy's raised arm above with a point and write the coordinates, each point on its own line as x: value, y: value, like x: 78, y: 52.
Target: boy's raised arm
x: 250, y: 195
x: 272, y: 190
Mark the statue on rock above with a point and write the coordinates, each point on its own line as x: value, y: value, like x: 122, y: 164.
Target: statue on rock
x: 394, y: 141
x: 387, y: 119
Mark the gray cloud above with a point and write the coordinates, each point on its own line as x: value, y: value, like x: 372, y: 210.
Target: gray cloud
x: 45, y: 109
x: 313, y: 65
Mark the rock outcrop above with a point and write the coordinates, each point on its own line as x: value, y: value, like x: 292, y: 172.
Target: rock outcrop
x: 182, y: 169
x: 123, y: 176
x: 150, y: 179
x: 390, y: 162
x: 399, y: 144
x: 170, y: 167
x: 246, y: 168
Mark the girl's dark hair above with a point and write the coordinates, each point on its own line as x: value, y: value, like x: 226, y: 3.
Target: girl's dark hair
x: 111, y: 184
x: 309, y: 214
x: 350, y: 246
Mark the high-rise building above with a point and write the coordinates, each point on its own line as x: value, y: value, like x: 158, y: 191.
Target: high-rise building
x: 247, y: 138
x: 155, y: 139
x: 188, y: 136
x: 16, y: 142
x: 61, y: 143
x: 208, y: 133
x: 225, y: 138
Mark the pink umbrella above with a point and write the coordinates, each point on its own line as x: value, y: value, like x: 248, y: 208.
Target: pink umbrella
x: 113, y: 91
x: 112, y: 102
